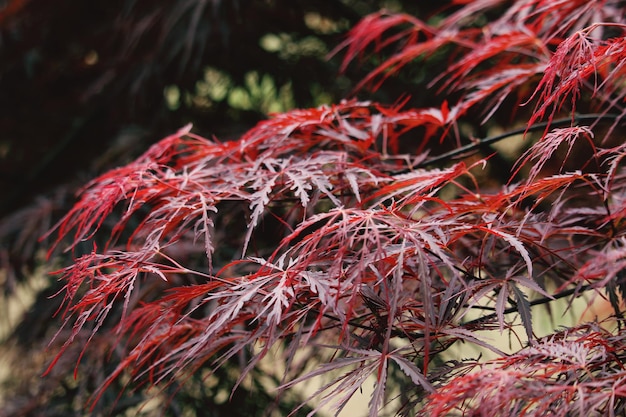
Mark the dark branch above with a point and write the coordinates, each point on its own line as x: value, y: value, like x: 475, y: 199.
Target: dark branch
x: 580, y: 118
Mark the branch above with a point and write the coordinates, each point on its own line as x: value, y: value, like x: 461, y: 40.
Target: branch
x: 593, y: 117
x: 542, y: 300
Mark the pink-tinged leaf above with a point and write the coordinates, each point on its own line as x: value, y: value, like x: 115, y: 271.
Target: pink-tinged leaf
x: 370, y: 29
x: 580, y: 60
x: 342, y: 387
x: 259, y: 199
x: 409, y: 188
x: 412, y: 372
x: 510, y: 43
x: 470, y: 336
x: 204, y: 225
x: 465, y: 13
x: 531, y: 284
x: 408, y: 54
x: 378, y: 395
x: 496, y: 85
x: 524, y: 310
x: 514, y: 242
x: 501, y: 301
x: 541, y: 151
x: 602, y: 266
x: 444, y: 115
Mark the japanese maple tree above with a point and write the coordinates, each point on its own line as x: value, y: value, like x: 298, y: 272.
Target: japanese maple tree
x: 386, y: 236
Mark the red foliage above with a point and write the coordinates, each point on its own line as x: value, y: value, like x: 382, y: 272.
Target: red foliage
x: 387, y: 259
